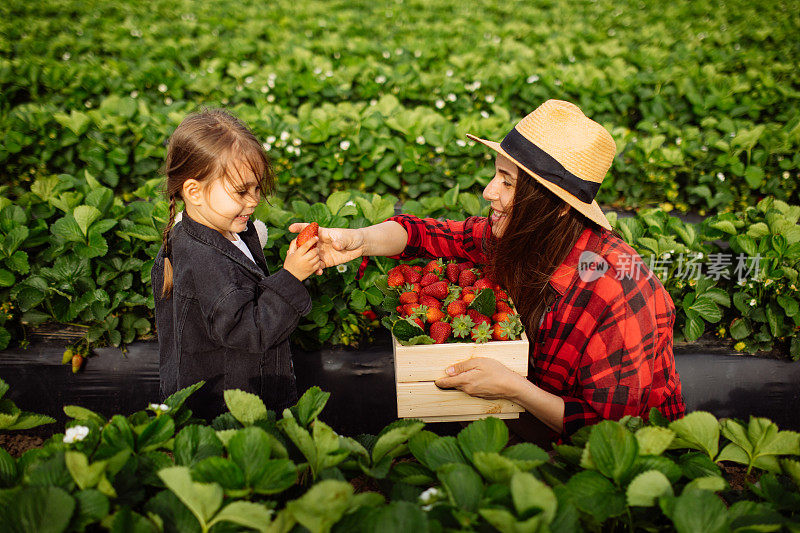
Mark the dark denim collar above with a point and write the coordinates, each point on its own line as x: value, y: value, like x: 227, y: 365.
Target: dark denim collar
x: 212, y: 237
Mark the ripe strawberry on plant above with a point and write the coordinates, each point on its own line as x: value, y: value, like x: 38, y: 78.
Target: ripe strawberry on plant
x: 467, y: 278
x: 452, y: 272
x: 438, y: 290
x: 457, y: 308
x: 77, y: 361
x: 462, y: 326
x: 435, y: 267
x: 395, y: 278
x: 411, y: 275
x: 428, y: 279
x: 440, y: 331
x: 409, y: 297
x: 477, y: 317
x: 308, y: 233
x: 481, y: 333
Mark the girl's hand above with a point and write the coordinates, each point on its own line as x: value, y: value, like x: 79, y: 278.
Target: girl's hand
x: 336, y: 245
x: 484, y: 378
x: 303, y: 261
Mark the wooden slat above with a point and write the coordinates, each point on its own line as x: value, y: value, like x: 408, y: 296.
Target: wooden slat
x: 428, y: 362
x: 466, y: 418
x: 424, y: 399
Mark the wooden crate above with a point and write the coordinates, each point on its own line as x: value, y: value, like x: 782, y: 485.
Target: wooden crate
x: 417, y: 367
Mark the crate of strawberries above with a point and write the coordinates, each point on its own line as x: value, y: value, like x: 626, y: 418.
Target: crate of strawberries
x: 440, y: 314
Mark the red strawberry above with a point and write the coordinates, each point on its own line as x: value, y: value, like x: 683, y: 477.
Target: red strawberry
x: 369, y: 315
x: 420, y: 323
x: 500, y: 294
x: 410, y: 309
x: 483, y: 283
x: 417, y: 268
x: 467, y: 278
x: 499, y: 317
x: 468, y: 294
x: 409, y: 298
x: 77, y: 361
x: 452, y: 271
x: 440, y: 331
x: 503, y: 307
x: 477, y: 317
x: 310, y: 231
x: 435, y: 267
x: 416, y: 287
x: 438, y: 290
x: 429, y: 278
x: 497, y: 333
x: 433, y: 315
x: 430, y: 301
x: 457, y: 308
x: 466, y: 266
x: 411, y: 275
x: 395, y: 277
x: 400, y: 310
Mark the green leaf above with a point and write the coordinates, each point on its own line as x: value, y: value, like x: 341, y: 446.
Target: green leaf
x: 176, y: 400
x: 484, y: 302
x: 68, y: 229
x: 647, y: 487
x: 700, y: 430
x: 486, y: 435
x: 7, y: 279
x: 699, y: 511
x: 85, y: 215
x: 322, y: 505
x: 39, y: 509
x: 75, y: 121
x: 613, y: 449
x: 595, y: 495
x: 195, y: 443
x: 86, y: 476
x: 419, y: 339
x: 249, y: 449
x: 529, y: 493
x: 277, y: 476
x: 442, y: 451
x: 399, y: 517
x: 707, y: 308
x: 26, y: 420
x: 654, y: 440
x: 789, y: 304
x: 219, y: 470
x: 203, y: 499
x: 463, y: 485
x: 711, y: 483
x: 725, y: 226
x: 310, y: 405
x: 405, y: 329
x: 740, y: 329
x: 394, y: 439
x: 8, y: 469
x: 248, y: 514
x: 156, y: 433
x: 494, y: 467
x: 93, y: 506
x: 754, y: 176
x: 246, y: 407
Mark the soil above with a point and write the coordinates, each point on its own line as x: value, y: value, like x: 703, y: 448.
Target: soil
x: 18, y: 443
x: 737, y: 477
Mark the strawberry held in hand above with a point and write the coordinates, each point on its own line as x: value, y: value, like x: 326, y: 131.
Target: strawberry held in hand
x: 308, y: 233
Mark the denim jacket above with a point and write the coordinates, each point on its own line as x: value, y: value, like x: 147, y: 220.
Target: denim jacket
x: 227, y: 320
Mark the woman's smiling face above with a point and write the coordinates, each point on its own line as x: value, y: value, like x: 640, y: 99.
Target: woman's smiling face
x: 500, y: 193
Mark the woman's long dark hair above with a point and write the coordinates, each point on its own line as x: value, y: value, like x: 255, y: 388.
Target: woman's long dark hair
x: 537, y: 239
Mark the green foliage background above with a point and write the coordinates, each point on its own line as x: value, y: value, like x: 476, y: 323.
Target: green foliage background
x: 702, y: 99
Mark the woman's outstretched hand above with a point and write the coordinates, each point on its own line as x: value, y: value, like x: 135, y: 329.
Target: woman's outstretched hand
x: 335, y: 245
x: 482, y: 377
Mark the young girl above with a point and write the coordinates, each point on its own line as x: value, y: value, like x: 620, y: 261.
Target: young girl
x: 221, y: 316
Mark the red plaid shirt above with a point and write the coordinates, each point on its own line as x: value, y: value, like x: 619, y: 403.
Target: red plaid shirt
x: 605, y: 345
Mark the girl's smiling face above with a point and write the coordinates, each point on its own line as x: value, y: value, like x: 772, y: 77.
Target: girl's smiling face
x: 224, y: 204
x: 500, y: 193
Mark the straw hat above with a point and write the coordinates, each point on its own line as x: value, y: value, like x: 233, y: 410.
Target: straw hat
x: 565, y: 151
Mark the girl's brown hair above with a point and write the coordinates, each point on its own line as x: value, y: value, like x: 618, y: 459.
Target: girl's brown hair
x: 207, y: 145
x: 539, y: 236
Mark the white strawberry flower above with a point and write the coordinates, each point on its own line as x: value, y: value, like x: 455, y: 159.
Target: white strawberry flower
x: 380, y: 79
x: 162, y: 87
x: 344, y: 145
x: 439, y: 104
x: 532, y: 79
x: 341, y: 268
x: 461, y: 142
x: 420, y: 140
x: 284, y: 135
x: 75, y: 433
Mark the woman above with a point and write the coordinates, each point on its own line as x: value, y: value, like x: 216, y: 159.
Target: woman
x: 599, y: 322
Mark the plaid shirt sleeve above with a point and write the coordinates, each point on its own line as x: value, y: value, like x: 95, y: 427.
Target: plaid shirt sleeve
x: 623, y: 349
x: 432, y: 238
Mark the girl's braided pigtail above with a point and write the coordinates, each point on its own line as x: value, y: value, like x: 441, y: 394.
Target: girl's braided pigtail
x: 166, y: 290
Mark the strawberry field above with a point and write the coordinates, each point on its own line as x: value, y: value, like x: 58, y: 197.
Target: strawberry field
x: 362, y: 105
